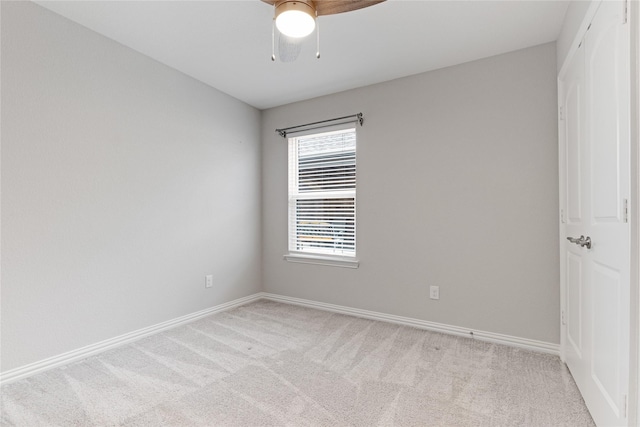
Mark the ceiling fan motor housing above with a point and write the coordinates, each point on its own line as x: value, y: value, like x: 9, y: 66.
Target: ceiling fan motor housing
x: 307, y: 6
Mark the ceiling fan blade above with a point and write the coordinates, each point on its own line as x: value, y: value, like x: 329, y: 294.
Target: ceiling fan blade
x: 331, y: 7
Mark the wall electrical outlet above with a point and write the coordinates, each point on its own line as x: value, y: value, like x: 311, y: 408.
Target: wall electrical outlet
x: 434, y: 292
x: 208, y: 282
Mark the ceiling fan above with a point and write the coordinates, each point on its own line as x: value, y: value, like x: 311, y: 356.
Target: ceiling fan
x: 296, y: 19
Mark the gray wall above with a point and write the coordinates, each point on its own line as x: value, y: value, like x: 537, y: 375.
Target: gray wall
x: 457, y: 187
x: 124, y: 182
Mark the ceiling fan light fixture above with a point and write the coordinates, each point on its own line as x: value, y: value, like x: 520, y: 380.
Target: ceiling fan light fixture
x: 296, y: 18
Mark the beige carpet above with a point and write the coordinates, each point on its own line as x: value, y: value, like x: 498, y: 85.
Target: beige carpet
x: 272, y: 364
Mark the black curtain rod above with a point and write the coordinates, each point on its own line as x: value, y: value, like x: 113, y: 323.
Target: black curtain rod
x: 324, y: 123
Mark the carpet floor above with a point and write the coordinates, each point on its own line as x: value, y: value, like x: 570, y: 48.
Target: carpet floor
x: 273, y: 364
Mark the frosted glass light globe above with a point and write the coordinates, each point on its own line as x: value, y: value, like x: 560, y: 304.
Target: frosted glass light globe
x: 295, y: 23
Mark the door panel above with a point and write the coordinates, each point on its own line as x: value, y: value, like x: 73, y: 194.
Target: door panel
x: 573, y: 127
x: 604, y: 72
x: 574, y: 307
x: 607, y: 324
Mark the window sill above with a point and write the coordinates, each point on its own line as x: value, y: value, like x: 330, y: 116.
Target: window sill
x: 323, y: 260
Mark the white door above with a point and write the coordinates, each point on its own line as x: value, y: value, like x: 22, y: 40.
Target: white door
x: 595, y: 194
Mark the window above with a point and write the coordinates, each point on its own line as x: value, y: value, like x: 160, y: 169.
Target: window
x: 322, y: 194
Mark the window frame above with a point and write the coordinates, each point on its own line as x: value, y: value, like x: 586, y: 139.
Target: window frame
x: 318, y: 257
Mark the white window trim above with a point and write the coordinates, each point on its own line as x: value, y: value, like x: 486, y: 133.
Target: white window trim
x: 317, y: 258
x: 330, y: 261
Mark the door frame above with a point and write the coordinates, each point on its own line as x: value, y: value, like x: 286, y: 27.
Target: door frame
x: 633, y: 410
x: 634, y: 383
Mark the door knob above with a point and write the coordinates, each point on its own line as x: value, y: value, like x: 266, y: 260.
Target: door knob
x: 582, y: 241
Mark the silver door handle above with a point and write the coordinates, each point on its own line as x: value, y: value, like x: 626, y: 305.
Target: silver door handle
x: 582, y: 241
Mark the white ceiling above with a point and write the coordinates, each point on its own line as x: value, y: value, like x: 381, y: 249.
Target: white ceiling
x: 227, y: 44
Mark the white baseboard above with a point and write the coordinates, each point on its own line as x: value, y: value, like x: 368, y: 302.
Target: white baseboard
x: 525, y: 343
x: 90, y: 350
x: 93, y: 349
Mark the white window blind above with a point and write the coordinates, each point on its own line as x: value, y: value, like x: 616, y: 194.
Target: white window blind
x: 322, y: 193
